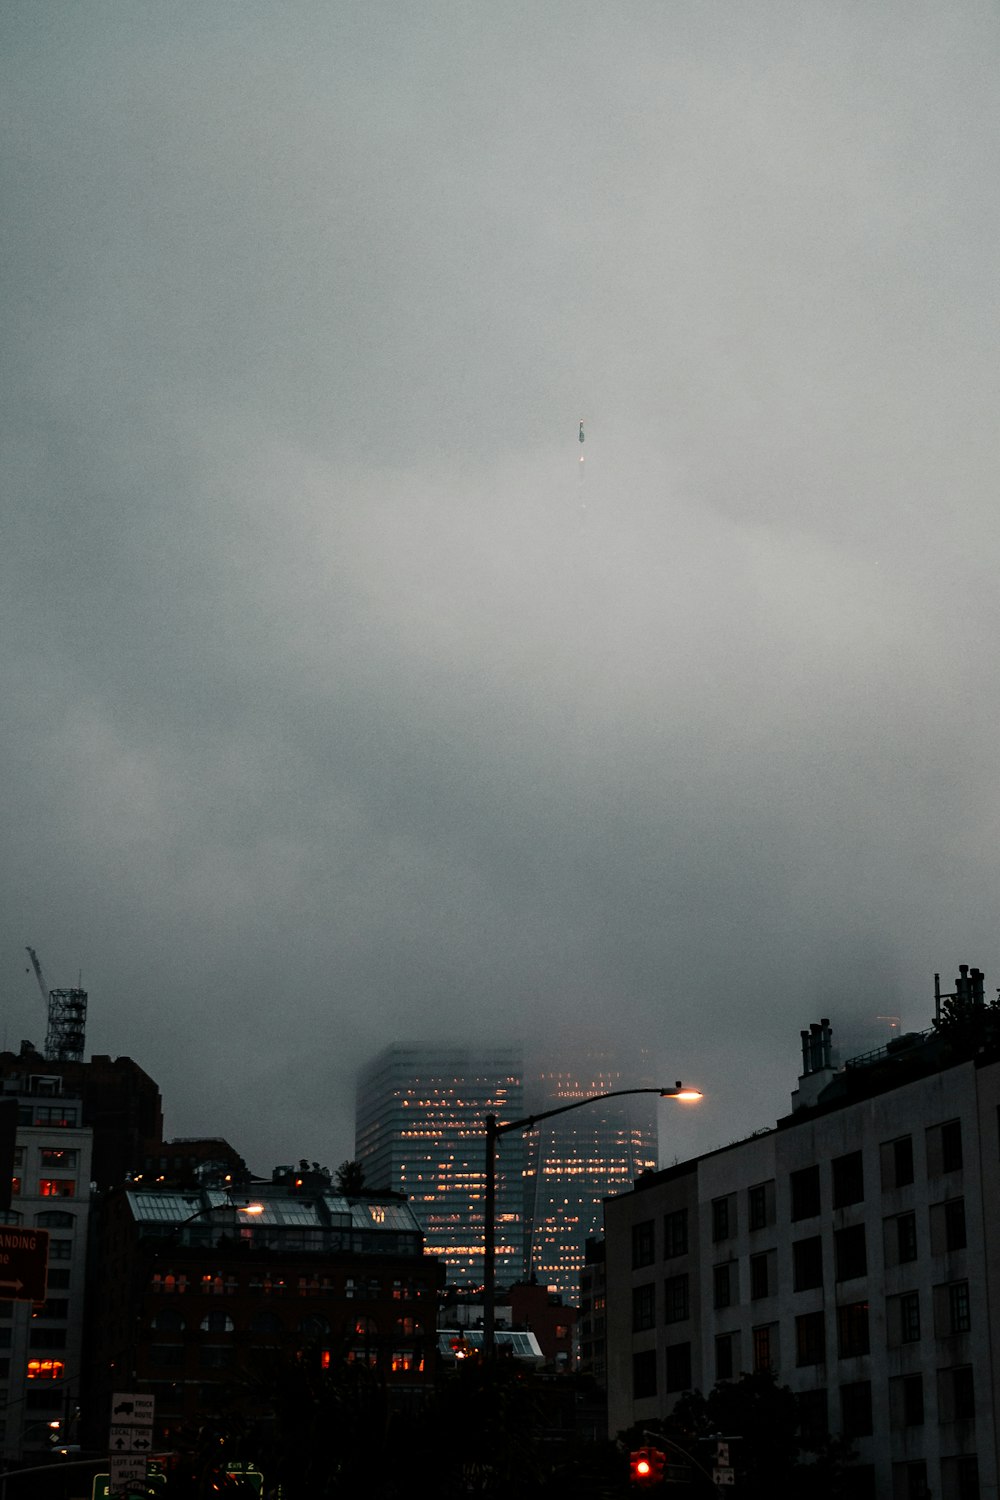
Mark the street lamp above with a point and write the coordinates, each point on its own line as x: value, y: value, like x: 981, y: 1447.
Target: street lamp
x: 493, y: 1131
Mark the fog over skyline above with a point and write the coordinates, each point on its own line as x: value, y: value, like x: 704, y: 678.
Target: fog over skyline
x: 337, y: 710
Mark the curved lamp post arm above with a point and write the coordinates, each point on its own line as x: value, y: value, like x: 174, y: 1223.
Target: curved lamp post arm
x: 493, y: 1131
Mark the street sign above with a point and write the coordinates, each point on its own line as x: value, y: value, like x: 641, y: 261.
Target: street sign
x: 131, y: 1409
x: 724, y: 1476
x: 248, y: 1473
x: 722, y: 1455
x: 131, y: 1437
x: 678, y: 1474
x: 130, y: 1440
x: 102, y: 1485
x: 24, y: 1258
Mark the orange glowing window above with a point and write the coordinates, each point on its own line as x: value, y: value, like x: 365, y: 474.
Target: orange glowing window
x: 15, y: 1186
x: 57, y: 1187
x: 46, y: 1369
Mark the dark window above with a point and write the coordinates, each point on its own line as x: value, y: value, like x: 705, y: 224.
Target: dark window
x: 723, y: 1218
x: 909, y: 1318
x: 676, y: 1299
x: 722, y: 1284
x: 644, y: 1374
x: 643, y: 1307
x: 724, y: 1356
x: 764, y: 1350
x: 856, y: 1408
x: 848, y: 1179
x: 913, y: 1401
x: 954, y: 1224
x: 958, y: 1307
x: 166, y: 1354
x: 759, y: 1280
x: 850, y: 1256
x: 813, y: 1419
x: 810, y: 1339
x: 852, y: 1330
x: 906, y: 1237
x: 678, y: 1367
x: 951, y: 1146
x: 807, y: 1263
x: 675, y: 1233
x: 643, y: 1244
x: 760, y: 1205
x: 47, y: 1338
x: 963, y: 1394
x: 805, y: 1193
x: 909, y: 1480
x: 902, y: 1160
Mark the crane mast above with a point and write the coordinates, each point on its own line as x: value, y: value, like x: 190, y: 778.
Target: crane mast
x: 67, y: 1012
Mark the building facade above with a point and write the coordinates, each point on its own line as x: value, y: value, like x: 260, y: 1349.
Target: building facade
x: 41, y: 1344
x: 420, y: 1131
x: 854, y: 1250
x: 577, y: 1160
x: 203, y: 1286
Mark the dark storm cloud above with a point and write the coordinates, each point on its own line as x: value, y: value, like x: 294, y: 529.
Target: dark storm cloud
x: 336, y: 708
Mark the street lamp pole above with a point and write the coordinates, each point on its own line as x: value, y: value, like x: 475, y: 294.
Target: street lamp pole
x: 493, y: 1131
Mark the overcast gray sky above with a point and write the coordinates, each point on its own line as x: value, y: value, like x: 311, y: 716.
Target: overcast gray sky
x: 336, y: 708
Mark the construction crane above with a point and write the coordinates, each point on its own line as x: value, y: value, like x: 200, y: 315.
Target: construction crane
x: 67, y: 1012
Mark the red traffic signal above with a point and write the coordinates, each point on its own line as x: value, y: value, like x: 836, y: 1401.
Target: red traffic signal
x: 645, y: 1466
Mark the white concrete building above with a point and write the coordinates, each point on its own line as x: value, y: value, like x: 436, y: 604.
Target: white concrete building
x: 854, y: 1249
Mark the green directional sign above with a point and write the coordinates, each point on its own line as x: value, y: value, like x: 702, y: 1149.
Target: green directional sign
x: 246, y: 1470
x: 102, y: 1486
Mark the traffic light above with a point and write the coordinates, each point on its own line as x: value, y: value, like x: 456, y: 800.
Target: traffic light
x: 645, y: 1466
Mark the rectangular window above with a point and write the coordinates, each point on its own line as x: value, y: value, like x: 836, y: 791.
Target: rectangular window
x: 810, y: 1339
x: 954, y: 1224
x: 678, y: 1367
x: 944, y: 1148
x: 909, y: 1480
x: 60, y: 1249
x: 951, y: 1146
x: 807, y: 1263
x: 643, y: 1374
x: 643, y: 1244
x: 856, y: 1409
x: 57, y: 1187
x: 56, y: 1156
x: 676, y: 1299
x: 963, y: 1394
x: 722, y: 1284
x: 643, y: 1307
x: 848, y: 1179
x: 813, y: 1417
x: 902, y: 1154
x: 760, y: 1205
x: 759, y: 1277
x: 852, y: 1330
x: 805, y: 1193
x: 724, y: 1363
x: 960, y: 1477
x: 47, y: 1338
x: 913, y: 1400
x: 723, y: 1217
x: 850, y: 1255
x: 906, y: 1238
x: 675, y: 1233
x: 765, y: 1347
x: 908, y: 1311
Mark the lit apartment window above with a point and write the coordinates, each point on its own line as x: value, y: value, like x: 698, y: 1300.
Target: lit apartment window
x: 46, y: 1369
x: 55, y: 1156
x: 57, y: 1187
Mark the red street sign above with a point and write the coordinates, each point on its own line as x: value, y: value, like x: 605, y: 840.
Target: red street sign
x: 24, y: 1258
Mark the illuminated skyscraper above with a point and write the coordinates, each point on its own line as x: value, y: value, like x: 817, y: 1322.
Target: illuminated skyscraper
x: 580, y: 1158
x: 419, y: 1129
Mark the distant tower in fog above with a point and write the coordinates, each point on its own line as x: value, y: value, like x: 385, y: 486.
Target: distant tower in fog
x: 419, y: 1129
x: 580, y: 1158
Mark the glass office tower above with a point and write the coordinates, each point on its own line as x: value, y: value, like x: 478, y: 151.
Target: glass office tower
x: 419, y: 1130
